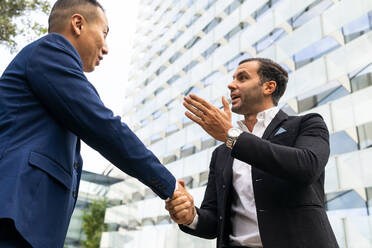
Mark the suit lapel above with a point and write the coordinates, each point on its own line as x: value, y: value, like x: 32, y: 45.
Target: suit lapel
x: 227, y: 166
x: 278, y: 119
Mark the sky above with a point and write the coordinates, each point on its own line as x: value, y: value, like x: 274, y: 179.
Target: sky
x: 110, y: 78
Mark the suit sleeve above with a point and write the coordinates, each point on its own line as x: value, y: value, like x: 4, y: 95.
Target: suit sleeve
x: 55, y: 76
x: 301, y: 163
x: 207, y: 213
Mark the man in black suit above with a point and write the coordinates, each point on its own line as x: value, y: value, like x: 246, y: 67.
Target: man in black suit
x: 266, y: 183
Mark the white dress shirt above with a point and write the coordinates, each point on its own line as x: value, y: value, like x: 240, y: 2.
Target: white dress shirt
x: 245, y: 230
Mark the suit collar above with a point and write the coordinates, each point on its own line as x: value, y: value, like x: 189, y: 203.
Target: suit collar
x: 278, y: 119
x: 228, y: 159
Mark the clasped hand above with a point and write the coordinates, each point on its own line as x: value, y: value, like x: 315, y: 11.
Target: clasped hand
x: 181, y: 207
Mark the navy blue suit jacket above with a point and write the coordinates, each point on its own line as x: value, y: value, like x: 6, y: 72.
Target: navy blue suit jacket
x: 46, y: 106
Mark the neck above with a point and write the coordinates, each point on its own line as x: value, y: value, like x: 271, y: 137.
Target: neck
x: 250, y: 119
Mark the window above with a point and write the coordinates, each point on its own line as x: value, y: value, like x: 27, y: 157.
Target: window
x: 160, y: 70
x: 315, y: 51
x: 144, y: 123
x: 209, y: 4
x: 187, y: 150
x: 236, y: 30
x: 258, y: 14
x: 344, y: 200
x: 177, y: 17
x: 171, y: 104
x: 234, y: 62
x: 155, y: 138
x: 173, y: 79
x: 211, y: 78
x: 193, y: 20
x: 320, y: 96
x: 362, y: 79
x: 207, y: 53
x: 233, y: 6
x: 157, y: 92
x: 190, y: 2
x: 162, y: 50
x: 171, y: 130
x: 191, y: 65
x: 178, y: 34
x: 211, y: 25
x: 358, y: 27
x: 266, y: 41
x: 191, y: 90
x: 310, y: 12
x: 365, y: 135
x: 192, y: 42
x: 341, y: 142
x: 156, y: 114
x: 175, y: 57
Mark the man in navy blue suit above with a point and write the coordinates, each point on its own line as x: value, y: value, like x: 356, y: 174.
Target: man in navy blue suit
x: 47, y: 106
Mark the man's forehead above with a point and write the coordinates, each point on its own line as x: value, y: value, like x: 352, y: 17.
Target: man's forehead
x: 249, y: 67
x: 103, y: 17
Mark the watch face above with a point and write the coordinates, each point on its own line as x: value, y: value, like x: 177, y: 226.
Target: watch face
x: 234, y: 132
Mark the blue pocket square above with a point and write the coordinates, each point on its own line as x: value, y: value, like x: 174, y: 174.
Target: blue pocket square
x: 280, y: 131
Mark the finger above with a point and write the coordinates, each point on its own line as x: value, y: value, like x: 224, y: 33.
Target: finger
x: 194, y: 118
x: 194, y: 110
x: 201, y: 101
x: 182, y: 182
x: 178, y: 201
x: 226, y: 107
x: 196, y: 104
x: 176, y: 194
x: 185, y: 206
x: 181, y: 215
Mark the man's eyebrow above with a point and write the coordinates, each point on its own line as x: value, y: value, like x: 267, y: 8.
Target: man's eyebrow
x: 240, y: 73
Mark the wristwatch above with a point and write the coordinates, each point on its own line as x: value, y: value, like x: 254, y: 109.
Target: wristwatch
x: 232, y: 136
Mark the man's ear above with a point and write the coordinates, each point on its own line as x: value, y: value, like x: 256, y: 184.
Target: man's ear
x: 269, y: 87
x: 77, y: 24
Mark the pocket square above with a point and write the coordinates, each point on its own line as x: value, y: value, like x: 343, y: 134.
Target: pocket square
x: 280, y: 131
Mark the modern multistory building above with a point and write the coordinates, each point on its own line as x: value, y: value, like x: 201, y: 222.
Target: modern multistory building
x: 194, y: 46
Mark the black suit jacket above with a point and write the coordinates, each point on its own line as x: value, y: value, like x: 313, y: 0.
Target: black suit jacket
x: 288, y: 183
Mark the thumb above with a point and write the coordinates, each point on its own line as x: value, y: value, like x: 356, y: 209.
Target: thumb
x: 182, y: 183
x: 226, y: 106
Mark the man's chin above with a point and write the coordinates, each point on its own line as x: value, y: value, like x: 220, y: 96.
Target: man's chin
x: 90, y: 69
x: 236, y: 109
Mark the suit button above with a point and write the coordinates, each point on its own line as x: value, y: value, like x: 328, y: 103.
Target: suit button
x: 76, y: 166
x: 220, y: 217
x: 223, y: 186
x: 74, y: 194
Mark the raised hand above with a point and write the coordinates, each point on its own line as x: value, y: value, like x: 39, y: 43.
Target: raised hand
x: 181, y: 207
x: 213, y: 120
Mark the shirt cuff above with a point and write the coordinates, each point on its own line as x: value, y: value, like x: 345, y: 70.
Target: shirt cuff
x: 194, y: 223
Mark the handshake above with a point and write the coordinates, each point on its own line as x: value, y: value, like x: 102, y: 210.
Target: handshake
x: 181, y: 206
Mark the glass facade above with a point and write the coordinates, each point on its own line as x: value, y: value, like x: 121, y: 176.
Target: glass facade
x: 93, y: 187
x: 193, y: 47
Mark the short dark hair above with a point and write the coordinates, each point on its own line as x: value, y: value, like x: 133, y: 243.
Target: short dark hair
x: 64, y: 9
x: 270, y: 71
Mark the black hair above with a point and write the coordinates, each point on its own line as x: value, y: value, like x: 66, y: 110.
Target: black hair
x: 64, y: 9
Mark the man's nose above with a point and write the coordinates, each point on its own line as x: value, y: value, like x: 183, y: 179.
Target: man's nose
x: 105, y: 49
x: 231, y: 85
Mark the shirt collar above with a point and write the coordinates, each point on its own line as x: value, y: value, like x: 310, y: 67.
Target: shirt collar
x: 264, y: 117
